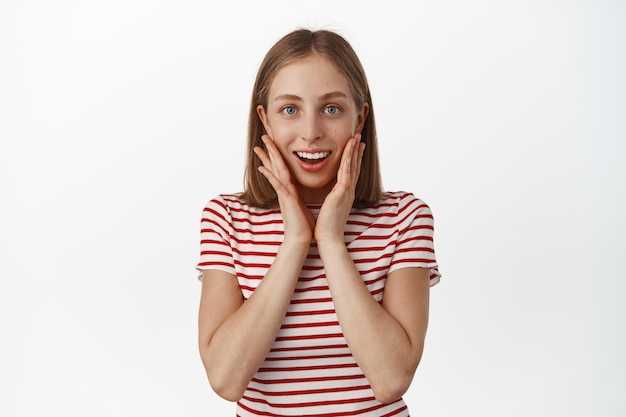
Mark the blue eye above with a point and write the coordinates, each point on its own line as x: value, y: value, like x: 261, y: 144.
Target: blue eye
x: 289, y: 110
x: 332, y: 110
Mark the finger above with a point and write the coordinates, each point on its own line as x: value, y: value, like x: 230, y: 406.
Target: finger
x: 355, y: 158
x: 275, y: 182
x: 359, y: 162
x: 360, y: 157
x: 358, y: 153
x: 348, y: 162
x: 270, y: 149
x: 263, y: 156
x: 278, y: 163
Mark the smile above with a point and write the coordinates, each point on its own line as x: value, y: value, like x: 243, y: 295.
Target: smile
x: 312, y: 157
x: 312, y: 161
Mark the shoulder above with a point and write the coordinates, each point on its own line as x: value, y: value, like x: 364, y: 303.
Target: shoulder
x: 409, y: 211
x: 396, y: 209
x: 231, y: 206
x: 394, y: 203
x: 225, y: 203
x: 405, y: 202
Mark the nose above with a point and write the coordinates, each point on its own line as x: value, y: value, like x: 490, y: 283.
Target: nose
x: 311, y: 128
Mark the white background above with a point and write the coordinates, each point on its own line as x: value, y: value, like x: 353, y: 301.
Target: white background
x: 119, y: 120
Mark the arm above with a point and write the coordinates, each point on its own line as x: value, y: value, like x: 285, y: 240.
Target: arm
x: 386, y: 340
x: 235, y: 337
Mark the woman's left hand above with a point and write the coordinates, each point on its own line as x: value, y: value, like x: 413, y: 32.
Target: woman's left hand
x: 334, y: 213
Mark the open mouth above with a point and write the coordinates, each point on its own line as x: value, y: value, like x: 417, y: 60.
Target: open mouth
x: 312, y: 157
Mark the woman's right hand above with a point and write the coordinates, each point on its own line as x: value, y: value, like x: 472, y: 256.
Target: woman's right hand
x: 297, y: 218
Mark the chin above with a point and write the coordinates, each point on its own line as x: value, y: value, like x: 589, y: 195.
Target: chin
x: 316, y: 185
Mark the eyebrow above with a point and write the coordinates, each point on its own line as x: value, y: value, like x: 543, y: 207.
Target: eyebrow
x: 293, y: 97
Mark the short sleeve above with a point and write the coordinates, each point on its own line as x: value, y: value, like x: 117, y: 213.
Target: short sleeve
x: 215, y: 232
x: 415, y: 244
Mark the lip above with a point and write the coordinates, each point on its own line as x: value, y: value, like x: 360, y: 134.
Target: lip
x: 309, y: 167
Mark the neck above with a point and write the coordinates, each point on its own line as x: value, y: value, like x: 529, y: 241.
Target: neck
x: 314, y: 195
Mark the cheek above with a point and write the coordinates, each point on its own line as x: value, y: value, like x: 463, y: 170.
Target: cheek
x: 281, y: 140
x: 279, y: 130
x: 341, y: 142
x: 343, y: 132
x: 281, y: 137
x: 347, y: 128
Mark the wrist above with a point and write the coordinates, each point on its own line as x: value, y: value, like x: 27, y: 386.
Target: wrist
x: 331, y: 245
x: 296, y: 245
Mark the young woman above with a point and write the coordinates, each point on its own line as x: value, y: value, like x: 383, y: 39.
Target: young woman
x: 315, y: 282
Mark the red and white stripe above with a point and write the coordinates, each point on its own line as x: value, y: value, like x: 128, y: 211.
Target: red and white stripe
x: 310, y: 370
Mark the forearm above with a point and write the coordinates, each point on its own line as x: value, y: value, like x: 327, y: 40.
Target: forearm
x: 238, y: 347
x: 379, y: 343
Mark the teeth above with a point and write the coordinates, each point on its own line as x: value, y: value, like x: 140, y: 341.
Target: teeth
x: 316, y: 155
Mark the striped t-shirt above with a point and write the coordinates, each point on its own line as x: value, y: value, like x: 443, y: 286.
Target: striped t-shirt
x: 310, y: 371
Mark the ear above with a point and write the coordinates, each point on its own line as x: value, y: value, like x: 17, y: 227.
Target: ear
x: 361, y: 116
x: 260, y: 110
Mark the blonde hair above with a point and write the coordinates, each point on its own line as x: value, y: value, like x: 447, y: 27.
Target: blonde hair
x: 258, y: 192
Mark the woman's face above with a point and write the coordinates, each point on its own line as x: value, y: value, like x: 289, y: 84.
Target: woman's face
x: 310, y: 115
